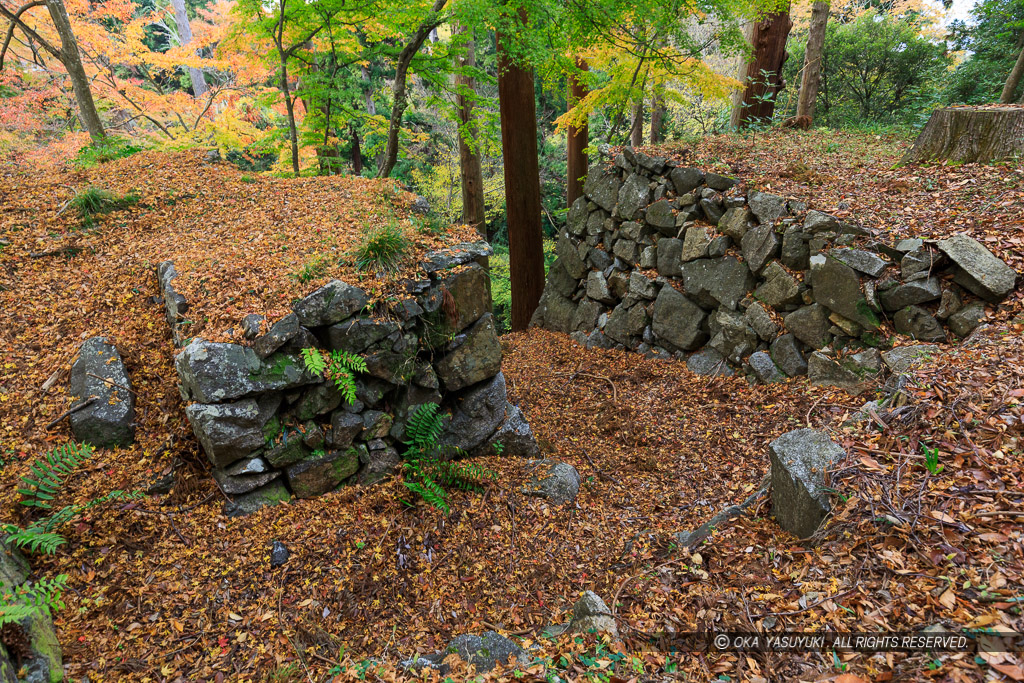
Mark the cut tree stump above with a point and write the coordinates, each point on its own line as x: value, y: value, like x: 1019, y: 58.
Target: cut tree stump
x: 971, y: 134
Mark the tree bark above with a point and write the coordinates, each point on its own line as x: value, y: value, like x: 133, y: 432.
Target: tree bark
x: 578, y: 139
x: 398, y: 90
x: 357, y: 153
x: 522, y: 185
x: 1013, y: 80
x: 72, y: 61
x: 811, y: 79
x: 970, y: 134
x: 199, y: 87
x: 289, y: 104
x: 636, y: 131
x: 472, y: 175
x: 763, y: 80
x: 657, y: 119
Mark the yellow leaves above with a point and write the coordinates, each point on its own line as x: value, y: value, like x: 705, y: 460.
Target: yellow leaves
x: 948, y: 599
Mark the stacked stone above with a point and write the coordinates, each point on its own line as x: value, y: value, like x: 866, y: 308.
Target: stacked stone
x: 272, y: 429
x: 670, y: 260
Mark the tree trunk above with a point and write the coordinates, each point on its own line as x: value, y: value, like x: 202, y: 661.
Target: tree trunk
x: 763, y: 80
x: 1013, y: 80
x: 636, y: 131
x: 657, y: 119
x: 72, y: 62
x: 472, y: 175
x: 185, y: 32
x: 289, y: 104
x: 578, y: 139
x: 522, y: 186
x: 970, y: 134
x: 398, y: 90
x: 811, y: 79
x: 357, y: 154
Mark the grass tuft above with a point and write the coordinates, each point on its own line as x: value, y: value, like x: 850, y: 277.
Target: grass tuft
x: 382, y: 248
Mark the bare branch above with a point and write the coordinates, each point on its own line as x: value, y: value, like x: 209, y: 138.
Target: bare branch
x: 16, y: 21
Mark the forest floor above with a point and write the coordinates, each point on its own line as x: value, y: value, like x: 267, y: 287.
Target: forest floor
x: 169, y: 589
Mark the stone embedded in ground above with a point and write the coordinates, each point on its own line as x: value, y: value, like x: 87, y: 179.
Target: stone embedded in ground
x: 709, y: 362
x: 273, y: 493
x: 918, y: 323
x: 486, y: 651
x: 278, y: 554
x: 211, y: 372
x: 902, y: 358
x: 515, y: 436
x: 786, y: 353
x: 378, y: 464
x: 810, y: 324
x: 864, y: 261
x: 964, y: 321
x: 476, y: 359
x: 227, y: 431
x: 330, y: 304
x: 837, y: 287
x: 768, y: 208
x: 760, y: 245
x: 979, y: 270
x: 555, y: 482
x: 590, y: 614
x: 677, y: 320
x: 910, y: 294
x: 317, y: 476
x: 851, y: 373
x: 799, y: 461
x: 243, y: 483
x: 764, y: 368
x: 99, y: 376
x: 716, y: 282
x: 554, y: 312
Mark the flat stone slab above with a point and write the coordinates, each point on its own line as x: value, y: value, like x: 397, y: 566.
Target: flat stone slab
x: 980, y: 271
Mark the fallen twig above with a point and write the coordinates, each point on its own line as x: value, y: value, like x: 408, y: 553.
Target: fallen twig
x: 601, y: 473
x: 69, y: 411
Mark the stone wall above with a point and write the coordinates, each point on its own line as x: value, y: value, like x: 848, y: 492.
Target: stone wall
x: 272, y: 430
x: 675, y: 261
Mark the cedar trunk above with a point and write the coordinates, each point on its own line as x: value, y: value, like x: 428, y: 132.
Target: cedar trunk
x: 185, y: 33
x: 522, y: 186
x: 970, y: 134
x: 72, y: 62
x: 577, y: 142
x: 811, y: 78
x: 763, y: 80
x: 469, y: 160
x: 1013, y: 79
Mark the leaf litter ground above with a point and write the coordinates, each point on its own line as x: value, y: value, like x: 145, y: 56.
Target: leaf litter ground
x: 170, y: 589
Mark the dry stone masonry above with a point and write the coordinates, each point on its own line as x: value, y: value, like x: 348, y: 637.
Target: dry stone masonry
x: 273, y: 430
x: 669, y: 261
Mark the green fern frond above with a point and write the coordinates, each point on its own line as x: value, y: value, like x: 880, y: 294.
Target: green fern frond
x: 49, y: 472
x: 315, y: 362
x: 35, y: 540
x: 32, y: 598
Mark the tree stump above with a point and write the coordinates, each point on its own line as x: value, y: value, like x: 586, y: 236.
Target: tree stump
x: 971, y: 134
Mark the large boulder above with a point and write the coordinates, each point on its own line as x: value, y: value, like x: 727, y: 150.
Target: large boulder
x: 228, y: 431
x: 330, y: 304
x: 677, y: 320
x: 477, y: 358
x: 470, y: 289
x: 98, y: 376
x: 211, y: 372
x: 799, y: 462
x: 978, y: 270
x: 555, y: 482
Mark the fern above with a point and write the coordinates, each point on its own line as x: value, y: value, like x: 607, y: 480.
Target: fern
x: 427, y: 472
x: 339, y: 367
x: 34, y: 539
x: 32, y: 598
x: 47, y: 474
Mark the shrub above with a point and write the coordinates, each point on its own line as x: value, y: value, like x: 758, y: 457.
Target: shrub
x: 382, y: 248
x: 108, y: 149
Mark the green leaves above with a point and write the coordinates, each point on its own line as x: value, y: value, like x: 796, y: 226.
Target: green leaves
x: 31, y: 598
x: 338, y: 367
x: 47, y: 473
